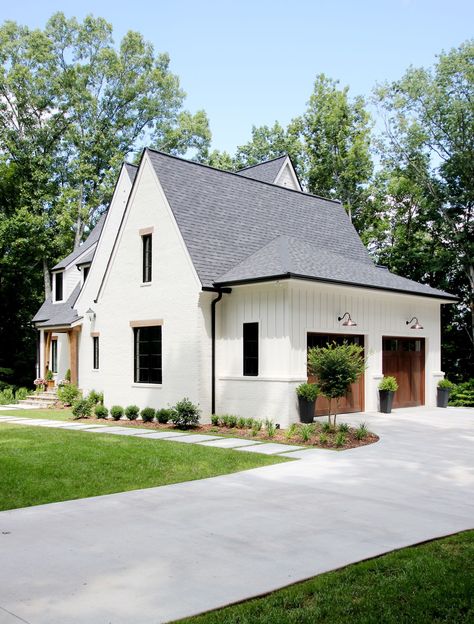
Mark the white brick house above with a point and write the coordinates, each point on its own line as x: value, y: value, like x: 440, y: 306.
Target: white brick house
x: 212, y: 285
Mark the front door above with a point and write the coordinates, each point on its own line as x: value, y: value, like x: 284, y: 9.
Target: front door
x: 404, y: 359
x: 354, y: 399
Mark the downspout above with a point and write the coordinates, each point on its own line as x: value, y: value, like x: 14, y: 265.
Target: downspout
x: 214, y: 302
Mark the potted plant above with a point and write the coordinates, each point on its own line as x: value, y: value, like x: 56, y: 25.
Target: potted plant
x: 387, y: 388
x: 444, y: 388
x: 49, y: 379
x: 307, y: 395
x: 40, y: 384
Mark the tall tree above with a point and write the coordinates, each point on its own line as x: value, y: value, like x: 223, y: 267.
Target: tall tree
x: 429, y: 117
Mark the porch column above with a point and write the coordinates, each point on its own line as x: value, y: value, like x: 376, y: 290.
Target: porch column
x: 47, y: 350
x: 73, y: 354
x: 40, y: 364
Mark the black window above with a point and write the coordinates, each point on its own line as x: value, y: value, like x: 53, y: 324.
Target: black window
x: 85, y: 272
x: 147, y: 354
x: 251, y: 349
x: 54, y: 356
x: 95, y: 345
x: 146, y: 243
x: 59, y: 287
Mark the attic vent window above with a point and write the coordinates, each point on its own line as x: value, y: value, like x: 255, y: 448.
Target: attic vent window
x: 58, y: 287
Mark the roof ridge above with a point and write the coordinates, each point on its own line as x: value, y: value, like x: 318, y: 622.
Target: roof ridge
x: 234, y: 173
x: 265, y: 162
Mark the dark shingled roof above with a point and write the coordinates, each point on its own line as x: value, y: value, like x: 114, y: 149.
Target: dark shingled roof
x: 131, y: 170
x: 287, y: 257
x: 264, y: 172
x: 239, y: 229
x: 90, y: 240
x: 55, y: 314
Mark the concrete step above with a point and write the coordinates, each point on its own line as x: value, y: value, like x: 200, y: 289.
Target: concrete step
x: 40, y: 402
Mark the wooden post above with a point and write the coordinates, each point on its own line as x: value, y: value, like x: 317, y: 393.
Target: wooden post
x: 47, y: 350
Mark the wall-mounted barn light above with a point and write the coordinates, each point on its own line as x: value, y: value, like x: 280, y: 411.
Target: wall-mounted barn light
x: 349, y: 322
x: 90, y: 314
x: 416, y: 324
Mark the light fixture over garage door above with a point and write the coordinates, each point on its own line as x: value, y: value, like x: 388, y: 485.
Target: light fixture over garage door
x: 349, y: 322
x: 416, y: 324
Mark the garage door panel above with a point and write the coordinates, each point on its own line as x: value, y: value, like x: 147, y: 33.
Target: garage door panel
x: 404, y: 359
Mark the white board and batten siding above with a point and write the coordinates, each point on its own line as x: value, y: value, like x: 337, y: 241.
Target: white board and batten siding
x: 287, y: 312
x: 172, y: 298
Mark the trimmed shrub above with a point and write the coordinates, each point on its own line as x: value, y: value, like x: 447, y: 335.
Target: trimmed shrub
x: 308, y: 391
x: 164, y: 415
x: 340, y: 439
x: 68, y: 394
x: 7, y: 396
x: 116, y: 411
x: 185, y: 414
x: 388, y: 383
x: 232, y: 421
x: 147, y: 414
x: 100, y: 411
x: 249, y: 423
x: 95, y: 397
x: 67, y: 376
x: 132, y: 411
x: 215, y: 420
x: 21, y: 394
x: 81, y: 408
x: 462, y: 395
x: 241, y: 423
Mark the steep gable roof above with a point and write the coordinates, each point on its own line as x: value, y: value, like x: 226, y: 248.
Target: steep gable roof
x: 56, y: 314
x: 225, y: 217
x: 264, y: 172
x: 87, y: 244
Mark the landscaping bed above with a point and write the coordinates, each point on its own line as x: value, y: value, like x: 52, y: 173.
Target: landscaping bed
x: 315, y: 435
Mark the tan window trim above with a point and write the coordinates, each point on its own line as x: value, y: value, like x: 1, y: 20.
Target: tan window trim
x: 147, y: 230
x: 95, y: 334
x: 150, y: 323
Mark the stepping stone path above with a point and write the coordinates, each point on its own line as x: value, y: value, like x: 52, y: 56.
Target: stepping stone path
x: 237, y: 444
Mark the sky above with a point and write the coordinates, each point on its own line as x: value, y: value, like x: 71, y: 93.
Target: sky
x: 254, y: 62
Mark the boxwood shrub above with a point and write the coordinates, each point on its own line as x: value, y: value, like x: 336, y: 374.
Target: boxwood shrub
x: 116, y: 411
x: 100, y: 411
x: 132, y: 411
x: 164, y: 415
x: 185, y: 414
x: 147, y: 414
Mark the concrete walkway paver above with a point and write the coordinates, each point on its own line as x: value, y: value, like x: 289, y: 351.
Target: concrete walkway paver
x: 192, y: 438
x: 159, y: 554
x: 230, y: 443
x: 271, y: 448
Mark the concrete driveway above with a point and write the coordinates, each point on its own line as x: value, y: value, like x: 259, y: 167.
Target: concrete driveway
x: 159, y: 554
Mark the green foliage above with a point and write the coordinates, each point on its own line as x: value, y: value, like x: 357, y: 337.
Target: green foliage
x: 336, y: 368
x: 95, y: 397
x: 100, y: 411
x: 270, y: 428
x: 445, y: 384
x: 344, y: 428
x: 323, y: 438
x: 361, y: 432
x: 232, y: 421
x: 7, y: 396
x: 306, y: 431
x: 340, y: 439
x: 463, y: 395
x: 68, y: 393
x: 249, y: 423
x: 388, y: 383
x: 256, y: 426
x: 164, y: 415
x: 49, y: 375
x: 21, y: 394
x: 67, y: 376
x: 215, y: 420
x: 291, y: 431
x: 81, y: 408
x: 308, y: 391
x: 148, y: 414
x: 326, y: 427
x: 185, y: 414
x: 116, y: 411
x: 241, y: 423
x: 132, y: 411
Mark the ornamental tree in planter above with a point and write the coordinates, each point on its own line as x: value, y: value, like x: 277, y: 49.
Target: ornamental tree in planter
x: 307, y: 395
x: 387, y: 388
x: 49, y: 379
x: 444, y: 388
x: 336, y: 368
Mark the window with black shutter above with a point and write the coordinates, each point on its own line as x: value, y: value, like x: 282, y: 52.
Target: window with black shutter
x: 251, y: 349
x: 147, y: 351
x: 146, y: 244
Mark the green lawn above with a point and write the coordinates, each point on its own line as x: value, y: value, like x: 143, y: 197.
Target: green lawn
x: 64, y: 414
x: 47, y: 465
x: 428, y: 584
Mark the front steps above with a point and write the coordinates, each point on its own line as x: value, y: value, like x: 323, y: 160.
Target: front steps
x: 39, y: 400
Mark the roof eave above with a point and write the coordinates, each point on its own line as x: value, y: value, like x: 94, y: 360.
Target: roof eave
x: 271, y: 278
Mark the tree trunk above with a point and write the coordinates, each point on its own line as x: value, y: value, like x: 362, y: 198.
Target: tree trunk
x: 471, y: 300
x: 79, y: 221
x: 47, y: 280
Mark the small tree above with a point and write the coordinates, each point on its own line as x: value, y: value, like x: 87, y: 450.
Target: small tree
x: 336, y: 368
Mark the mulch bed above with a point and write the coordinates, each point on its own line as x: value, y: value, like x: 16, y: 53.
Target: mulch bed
x: 328, y: 440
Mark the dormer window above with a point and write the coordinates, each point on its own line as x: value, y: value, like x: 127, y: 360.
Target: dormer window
x: 58, y: 286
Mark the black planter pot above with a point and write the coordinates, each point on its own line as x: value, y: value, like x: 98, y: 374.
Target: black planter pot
x: 386, y: 400
x: 306, y: 409
x: 443, y: 397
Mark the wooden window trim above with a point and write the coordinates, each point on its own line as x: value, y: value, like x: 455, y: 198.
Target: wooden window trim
x: 149, y: 323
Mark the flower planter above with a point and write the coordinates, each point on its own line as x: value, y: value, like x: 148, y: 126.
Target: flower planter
x: 306, y: 409
x: 442, y: 397
x: 50, y: 384
x: 386, y: 400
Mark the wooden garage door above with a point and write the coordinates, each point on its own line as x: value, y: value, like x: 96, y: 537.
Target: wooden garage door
x: 354, y: 399
x: 404, y: 358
